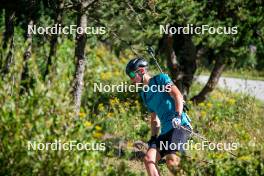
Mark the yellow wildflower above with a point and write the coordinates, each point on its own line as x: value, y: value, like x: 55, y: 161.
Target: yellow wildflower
x: 123, y: 60
x: 245, y: 158
x: 217, y: 95
x: 110, y: 114
x: 114, y: 101
x: 220, y: 155
x: 112, y: 62
x: 106, y: 75
x: 203, y: 113
x: 201, y: 104
x: 129, y: 144
x: 214, y: 97
x: 116, y: 73
x: 209, y: 105
x: 122, y: 110
x: 101, y: 107
x: 98, y: 128
x: 70, y: 114
x: 189, y: 102
x: 231, y: 101
x: 100, y: 52
x: 88, y: 124
x: 137, y: 103
x: 98, y: 135
x: 82, y: 114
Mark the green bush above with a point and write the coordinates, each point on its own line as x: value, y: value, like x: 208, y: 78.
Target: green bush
x: 45, y: 114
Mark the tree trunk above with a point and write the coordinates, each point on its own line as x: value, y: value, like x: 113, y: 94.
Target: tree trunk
x: 9, y: 27
x: 212, y: 82
x: 9, y: 58
x: 171, y: 57
x: 27, y: 54
x: 80, y: 58
x: 181, y: 60
x: 8, y: 38
x: 186, y: 56
x: 54, y: 39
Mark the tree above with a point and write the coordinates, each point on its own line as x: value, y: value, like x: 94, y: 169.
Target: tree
x: 181, y: 59
x: 212, y: 81
x: 80, y: 53
x: 54, y: 39
x: 25, y: 81
x: 8, y: 38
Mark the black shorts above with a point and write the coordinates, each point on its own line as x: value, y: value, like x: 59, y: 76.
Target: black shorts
x: 171, y: 141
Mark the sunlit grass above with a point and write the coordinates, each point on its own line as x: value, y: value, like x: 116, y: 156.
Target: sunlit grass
x: 45, y: 113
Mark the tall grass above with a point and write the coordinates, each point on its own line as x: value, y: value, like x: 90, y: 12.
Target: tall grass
x: 45, y: 114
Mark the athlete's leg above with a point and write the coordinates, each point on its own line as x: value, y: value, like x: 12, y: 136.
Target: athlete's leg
x: 173, y: 162
x: 150, y: 159
x: 178, y: 137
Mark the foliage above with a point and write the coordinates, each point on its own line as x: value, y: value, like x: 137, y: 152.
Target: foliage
x: 45, y: 115
x: 45, y: 112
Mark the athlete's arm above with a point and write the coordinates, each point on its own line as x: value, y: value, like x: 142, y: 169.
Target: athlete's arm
x: 155, y: 124
x: 178, y: 98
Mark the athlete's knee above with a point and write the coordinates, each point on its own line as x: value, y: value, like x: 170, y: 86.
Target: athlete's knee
x: 173, y: 162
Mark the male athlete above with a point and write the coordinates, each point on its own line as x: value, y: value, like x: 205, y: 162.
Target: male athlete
x: 166, y: 109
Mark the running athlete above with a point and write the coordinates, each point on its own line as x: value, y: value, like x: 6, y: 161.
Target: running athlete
x: 167, y: 116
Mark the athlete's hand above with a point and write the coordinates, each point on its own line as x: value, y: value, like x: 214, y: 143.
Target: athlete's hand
x: 176, y: 122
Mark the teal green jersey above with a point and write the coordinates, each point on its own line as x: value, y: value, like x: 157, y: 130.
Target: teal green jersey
x: 158, y: 100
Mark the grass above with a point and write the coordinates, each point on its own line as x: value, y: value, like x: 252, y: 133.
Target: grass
x: 45, y: 114
x: 224, y: 117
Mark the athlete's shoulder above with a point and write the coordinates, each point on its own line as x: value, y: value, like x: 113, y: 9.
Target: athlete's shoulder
x: 162, y: 77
